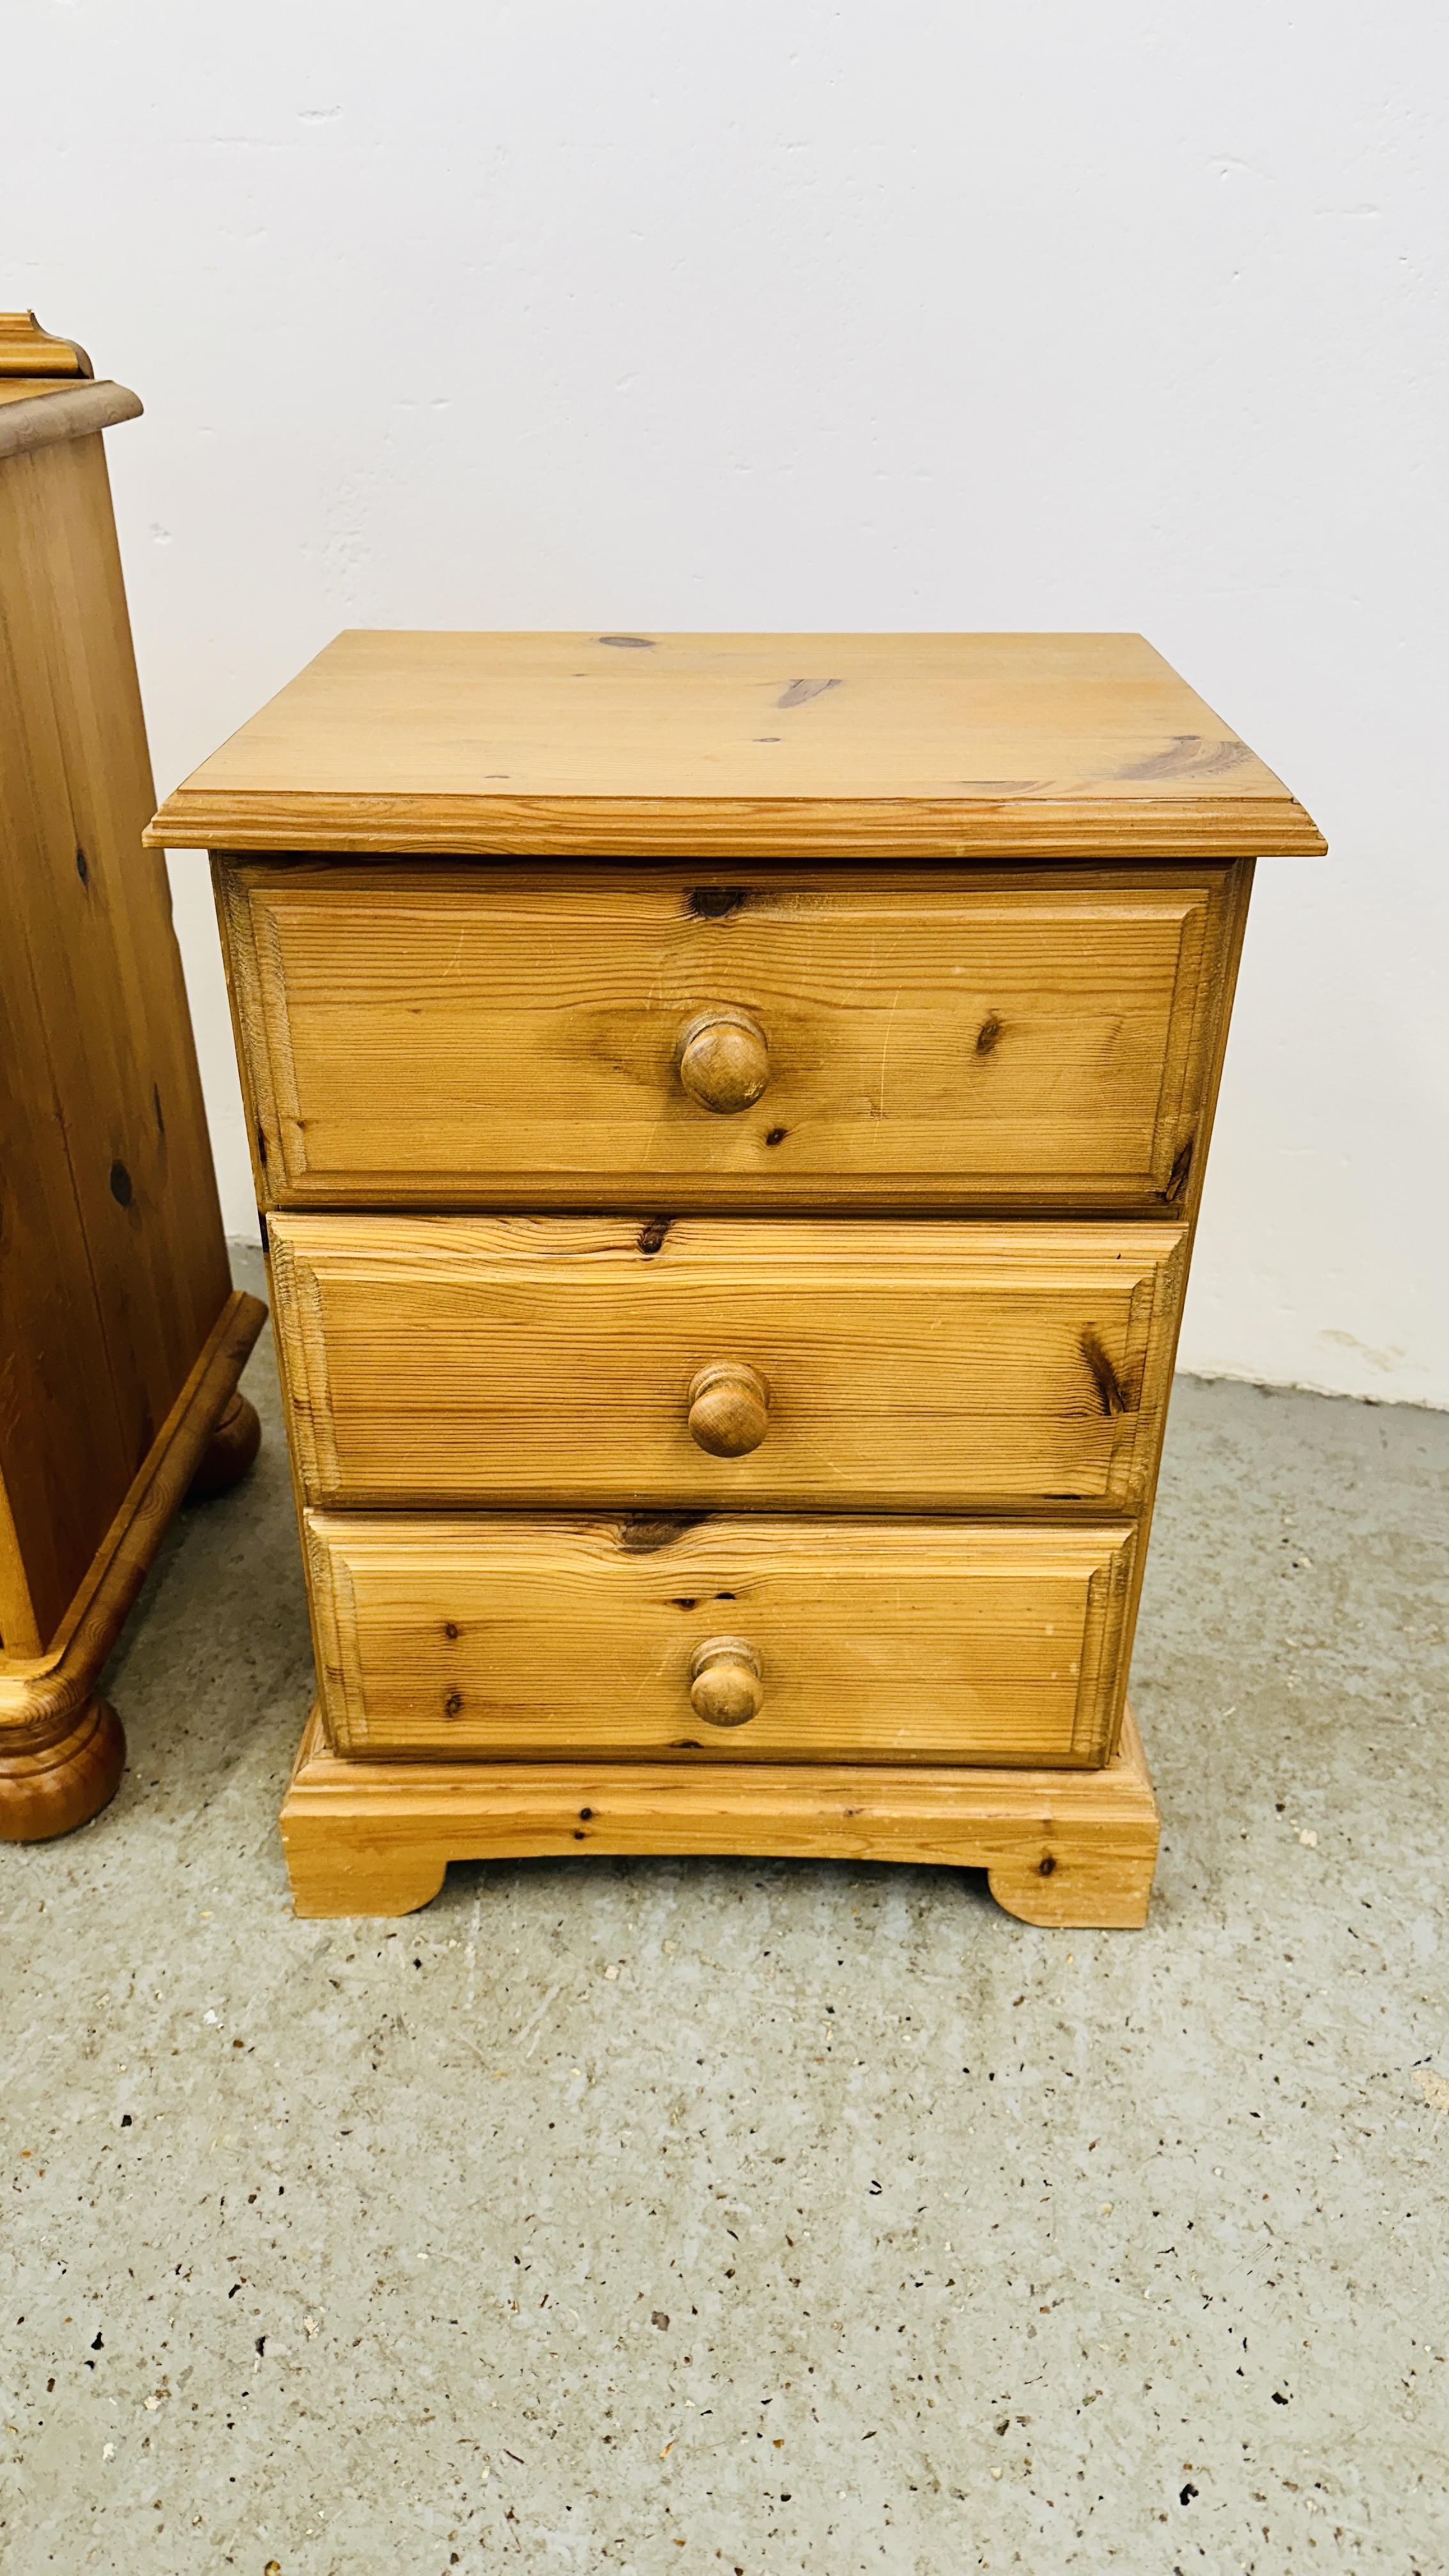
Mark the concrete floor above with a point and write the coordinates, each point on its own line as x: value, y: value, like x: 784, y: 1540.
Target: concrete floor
x: 663, y: 2215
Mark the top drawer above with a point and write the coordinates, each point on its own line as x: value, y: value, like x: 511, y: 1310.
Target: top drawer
x: 837, y: 1038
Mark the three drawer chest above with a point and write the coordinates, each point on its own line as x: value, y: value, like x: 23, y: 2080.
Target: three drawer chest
x: 729, y: 1115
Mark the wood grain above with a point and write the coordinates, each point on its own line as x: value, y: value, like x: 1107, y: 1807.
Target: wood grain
x: 104, y: 1091
x: 1065, y: 1849
x: 122, y: 1339
x: 877, y: 1641
x: 941, y: 746
x: 113, y: 1266
x: 911, y: 1366
x: 953, y: 1039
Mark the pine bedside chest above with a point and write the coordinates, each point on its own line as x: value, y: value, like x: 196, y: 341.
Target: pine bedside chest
x: 729, y: 1116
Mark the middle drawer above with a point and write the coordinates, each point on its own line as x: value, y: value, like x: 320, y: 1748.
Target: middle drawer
x: 724, y: 1363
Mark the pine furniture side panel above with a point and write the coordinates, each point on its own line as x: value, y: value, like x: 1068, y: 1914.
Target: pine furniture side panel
x: 65, y: 1448
x: 93, y: 915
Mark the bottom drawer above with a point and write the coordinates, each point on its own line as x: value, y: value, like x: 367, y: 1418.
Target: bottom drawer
x: 638, y: 1635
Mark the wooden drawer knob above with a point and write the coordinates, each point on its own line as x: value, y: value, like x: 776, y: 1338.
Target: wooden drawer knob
x: 725, y: 1686
x: 724, y: 1060
x: 729, y: 1408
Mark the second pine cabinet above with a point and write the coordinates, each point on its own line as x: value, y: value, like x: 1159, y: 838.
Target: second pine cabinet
x: 729, y: 1114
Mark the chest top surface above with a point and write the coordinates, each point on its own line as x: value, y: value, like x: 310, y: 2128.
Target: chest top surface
x: 692, y: 745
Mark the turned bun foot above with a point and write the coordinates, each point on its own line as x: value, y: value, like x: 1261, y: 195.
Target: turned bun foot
x: 49, y: 1789
x: 229, y: 1452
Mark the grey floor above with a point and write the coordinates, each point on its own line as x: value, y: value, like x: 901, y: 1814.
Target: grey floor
x: 662, y: 2215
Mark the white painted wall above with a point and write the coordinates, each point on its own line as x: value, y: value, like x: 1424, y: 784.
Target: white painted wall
x: 943, y: 313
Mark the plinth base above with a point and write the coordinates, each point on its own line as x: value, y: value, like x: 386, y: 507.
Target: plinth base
x: 62, y: 1750
x: 65, y: 1782
x: 1070, y: 1850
